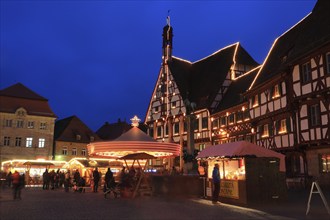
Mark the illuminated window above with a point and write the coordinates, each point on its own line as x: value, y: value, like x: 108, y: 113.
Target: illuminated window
x: 83, y: 152
x: 246, y: 115
x: 314, y: 115
x: 41, y: 143
x: 30, y: 124
x: 29, y: 142
x: 6, y: 141
x: 74, y: 151
x: 282, y: 126
x: 19, y: 124
x: 325, y: 163
x: 276, y: 91
x: 306, y: 72
x: 8, y: 122
x: 18, y: 141
x: 328, y: 62
x: 255, y: 100
x: 42, y: 126
x: 265, y: 131
x: 65, y: 151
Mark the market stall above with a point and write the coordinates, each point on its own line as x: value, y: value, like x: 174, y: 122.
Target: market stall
x: 249, y: 173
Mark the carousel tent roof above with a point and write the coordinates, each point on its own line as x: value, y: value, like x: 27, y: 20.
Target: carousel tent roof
x: 240, y: 149
x: 135, y: 134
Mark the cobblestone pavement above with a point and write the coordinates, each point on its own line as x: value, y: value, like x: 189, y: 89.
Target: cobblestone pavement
x: 48, y: 204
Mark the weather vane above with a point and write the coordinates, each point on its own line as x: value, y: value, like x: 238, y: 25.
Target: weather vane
x: 135, y: 121
x: 168, y: 18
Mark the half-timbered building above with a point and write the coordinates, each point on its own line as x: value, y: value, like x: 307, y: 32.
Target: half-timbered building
x: 184, y: 87
x: 289, y: 98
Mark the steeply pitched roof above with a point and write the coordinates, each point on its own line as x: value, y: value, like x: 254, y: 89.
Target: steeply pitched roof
x: 112, y: 131
x: 19, y: 96
x: 200, y: 81
x: 308, y: 35
x: 20, y: 91
x: 67, y: 130
x: 238, y: 87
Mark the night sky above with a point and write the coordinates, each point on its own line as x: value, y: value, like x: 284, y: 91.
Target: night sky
x: 99, y: 60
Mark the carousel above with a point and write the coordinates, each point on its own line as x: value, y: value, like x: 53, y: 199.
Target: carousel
x: 136, y: 149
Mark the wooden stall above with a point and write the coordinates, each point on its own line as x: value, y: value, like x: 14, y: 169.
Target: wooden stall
x: 249, y: 173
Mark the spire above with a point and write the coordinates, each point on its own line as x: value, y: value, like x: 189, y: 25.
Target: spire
x: 167, y: 37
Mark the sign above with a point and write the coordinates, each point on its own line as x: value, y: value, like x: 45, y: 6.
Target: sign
x: 229, y: 188
x: 208, y: 191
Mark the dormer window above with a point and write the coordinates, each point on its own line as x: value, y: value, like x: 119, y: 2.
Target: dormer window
x: 92, y: 138
x: 78, y: 137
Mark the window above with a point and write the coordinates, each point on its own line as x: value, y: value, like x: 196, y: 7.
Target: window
x: 159, y: 131
x: 18, y: 141
x: 246, y: 115
x: 223, y: 121
x: 265, y: 131
x: 205, y: 123
x: 19, y: 124
x: 6, y: 141
x: 30, y: 124
x: 78, y: 137
x: 215, y: 123
x: 29, y: 142
x: 83, y: 152
x: 314, y: 115
x: 239, y: 116
x: 91, y: 138
x: 325, y: 163
x: 42, y: 126
x: 196, y: 124
x: 41, y: 143
x: 185, y: 126
x: 255, y: 100
x: 276, y: 91
x: 328, y: 62
x: 74, y: 151
x: 156, y: 109
x: 173, y: 104
x: 176, y: 128
x: 166, y: 129
x: 65, y: 151
x: 306, y: 72
x: 201, y: 147
x: 231, y: 118
x: 282, y: 126
x: 8, y: 122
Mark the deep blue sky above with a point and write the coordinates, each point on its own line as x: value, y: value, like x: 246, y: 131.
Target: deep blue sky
x: 99, y: 60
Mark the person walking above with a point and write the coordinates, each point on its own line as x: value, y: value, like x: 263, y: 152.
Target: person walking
x: 16, y: 185
x: 216, y: 183
x: 96, y: 177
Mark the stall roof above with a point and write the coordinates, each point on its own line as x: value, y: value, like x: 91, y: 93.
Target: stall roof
x: 41, y: 163
x: 240, y: 149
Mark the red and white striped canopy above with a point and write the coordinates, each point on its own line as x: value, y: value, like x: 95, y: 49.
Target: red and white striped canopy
x: 133, y: 141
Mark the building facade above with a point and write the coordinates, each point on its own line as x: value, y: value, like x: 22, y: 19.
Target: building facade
x: 181, y: 91
x: 27, y: 125
x: 71, y: 138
